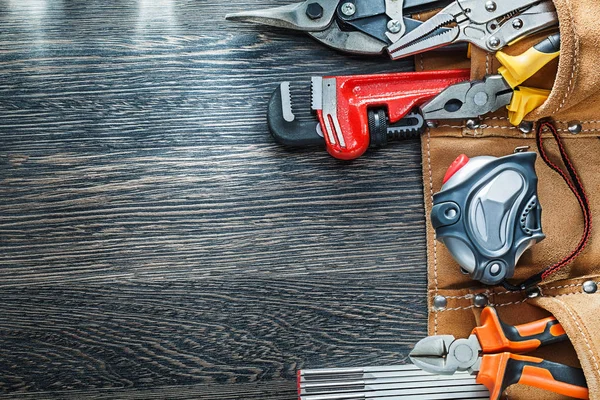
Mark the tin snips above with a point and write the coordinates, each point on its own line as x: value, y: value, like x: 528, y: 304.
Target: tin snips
x: 352, y: 26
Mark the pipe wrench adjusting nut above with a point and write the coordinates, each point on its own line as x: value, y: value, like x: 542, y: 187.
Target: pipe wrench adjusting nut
x: 487, y: 214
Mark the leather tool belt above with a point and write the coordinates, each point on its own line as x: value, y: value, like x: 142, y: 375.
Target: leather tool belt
x: 574, y: 102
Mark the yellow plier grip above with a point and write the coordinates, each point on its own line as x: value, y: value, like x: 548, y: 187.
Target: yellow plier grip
x: 517, y: 69
x: 524, y: 101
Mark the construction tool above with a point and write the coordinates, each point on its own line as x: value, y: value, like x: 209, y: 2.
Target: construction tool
x: 352, y: 26
x: 492, y: 354
x: 487, y: 214
x: 490, y: 25
x: 469, y: 100
x: 397, y: 382
x: 358, y: 112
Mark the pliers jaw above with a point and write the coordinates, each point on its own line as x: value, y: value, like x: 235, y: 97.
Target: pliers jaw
x: 468, y: 100
x: 431, y: 35
x: 445, y: 355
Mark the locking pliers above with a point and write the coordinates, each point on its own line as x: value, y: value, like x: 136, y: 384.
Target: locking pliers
x: 490, y: 25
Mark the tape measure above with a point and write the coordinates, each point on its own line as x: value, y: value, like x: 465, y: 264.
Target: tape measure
x: 487, y: 214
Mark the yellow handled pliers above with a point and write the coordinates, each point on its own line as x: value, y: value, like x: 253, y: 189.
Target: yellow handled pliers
x: 473, y: 99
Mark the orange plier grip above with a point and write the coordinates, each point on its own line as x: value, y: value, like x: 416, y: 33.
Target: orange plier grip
x: 499, y: 371
x: 495, y: 336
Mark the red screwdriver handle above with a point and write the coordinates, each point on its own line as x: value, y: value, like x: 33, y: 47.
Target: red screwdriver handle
x: 495, y: 336
x: 499, y: 371
x: 346, y: 130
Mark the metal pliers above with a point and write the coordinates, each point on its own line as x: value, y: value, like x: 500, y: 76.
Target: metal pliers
x: 469, y: 100
x: 491, y: 354
x: 352, y: 26
x: 490, y: 25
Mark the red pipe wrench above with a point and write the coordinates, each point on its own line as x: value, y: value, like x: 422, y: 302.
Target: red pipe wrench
x: 343, y: 104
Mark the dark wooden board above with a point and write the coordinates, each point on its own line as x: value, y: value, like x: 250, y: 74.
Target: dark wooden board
x: 254, y: 391
x: 153, y: 236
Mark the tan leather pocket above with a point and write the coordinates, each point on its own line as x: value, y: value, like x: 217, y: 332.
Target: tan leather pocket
x: 576, y: 92
x: 574, y: 78
x: 575, y: 97
x: 578, y: 314
x: 566, y: 300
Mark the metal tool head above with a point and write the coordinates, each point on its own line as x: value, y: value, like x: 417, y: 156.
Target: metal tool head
x: 290, y: 126
x: 285, y: 126
x: 307, y: 16
x: 358, y: 42
x: 354, y: 42
x: 359, y: 26
x: 490, y: 25
x: 469, y: 99
x: 432, y: 34
x: 445, y: 355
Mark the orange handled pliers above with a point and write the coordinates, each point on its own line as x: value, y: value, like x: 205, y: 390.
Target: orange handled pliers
x: 490, y: 351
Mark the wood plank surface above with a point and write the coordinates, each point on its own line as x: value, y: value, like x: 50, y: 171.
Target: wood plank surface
x: 154, y: 241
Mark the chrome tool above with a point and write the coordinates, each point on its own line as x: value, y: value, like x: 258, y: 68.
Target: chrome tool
x: 397, y: 382
x: 352, y: 26
x: 490, y: 25
x: 470, y: 100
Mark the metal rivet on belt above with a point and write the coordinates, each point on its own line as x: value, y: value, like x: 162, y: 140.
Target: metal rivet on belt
x: 590, y: 287
x: 473, y: 124
x: 534, y: 292
x: 440, y: 302
x: 575, y: 127
x: 480, y: 300
x: 526, y: 127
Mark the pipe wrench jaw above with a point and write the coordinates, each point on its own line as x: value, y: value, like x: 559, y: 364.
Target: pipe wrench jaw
x: 488, y: 214
x: 285, y: 127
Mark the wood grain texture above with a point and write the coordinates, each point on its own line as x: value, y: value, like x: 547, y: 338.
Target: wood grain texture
x: 273, y: 390
x: 151, y: 233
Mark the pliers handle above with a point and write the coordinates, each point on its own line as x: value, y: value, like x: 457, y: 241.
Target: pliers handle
x: 503, y: 369
x: 499, y: 371
x: 476, y: 98
x: 490, y: 351
x: 495, y: 336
